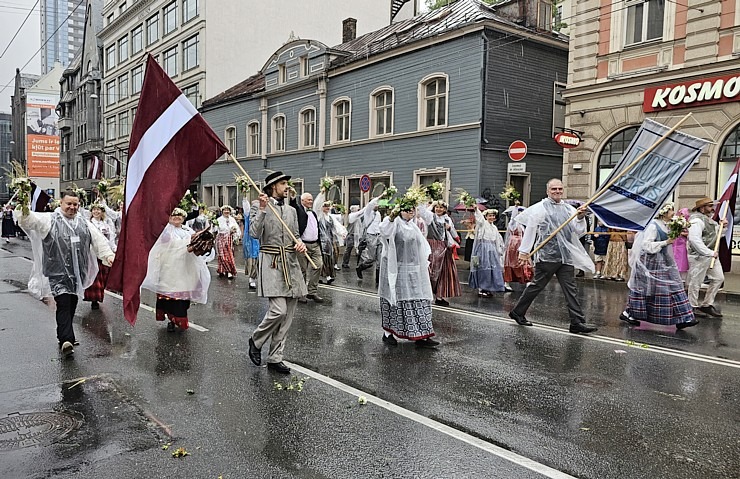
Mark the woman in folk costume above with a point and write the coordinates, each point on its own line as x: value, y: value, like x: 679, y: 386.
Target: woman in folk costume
x: 405, y: 289
x: 680, y: 248
x: 441, y: 235
x: 176, y: 274
x: 615, y: 266
x: 96, y: 292
x: 513, y: 270
x: 656, y: 290
x: 330, y: 230
x: 486, y: 270
x: 251, y: 247
x: 8, y: 224
x: 228, y: 232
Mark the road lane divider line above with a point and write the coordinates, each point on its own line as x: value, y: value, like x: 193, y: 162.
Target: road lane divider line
x: 603, y: 339
x: 196, y: 327
x: 438, y: 426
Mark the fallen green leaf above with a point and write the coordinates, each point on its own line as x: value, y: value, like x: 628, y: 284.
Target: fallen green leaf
x: 190, y: 391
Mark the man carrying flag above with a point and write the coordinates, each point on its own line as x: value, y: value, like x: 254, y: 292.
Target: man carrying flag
x: 702, y: 238
x: 170, y: 145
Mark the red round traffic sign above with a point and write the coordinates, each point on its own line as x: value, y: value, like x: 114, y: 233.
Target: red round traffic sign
x: 517, y: 150
x: 365, y: 183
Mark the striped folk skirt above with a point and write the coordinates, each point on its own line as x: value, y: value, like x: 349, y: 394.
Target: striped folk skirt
x: 443, y: 271
x: 96, y: 291
x: 225, y: 251
x: 410, y: 319
x: 485, y: 267
x: 658, y: 297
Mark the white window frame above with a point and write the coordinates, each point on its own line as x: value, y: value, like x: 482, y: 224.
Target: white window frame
x: 628, y: 5
x: 335, y: 120
x: 122, y: 46
x: 251, y: 151
x: 110, y: 57
x: 275, y: 131
x: 422, y: 100
x: 373, y: 133
x: 230, y: 140
x: 418, y: 174
x: 185, y: 10
x: 302, y: 128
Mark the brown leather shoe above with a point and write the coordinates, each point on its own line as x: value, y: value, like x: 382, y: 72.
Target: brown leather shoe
x: 711, y: 311
x: 315, y: 297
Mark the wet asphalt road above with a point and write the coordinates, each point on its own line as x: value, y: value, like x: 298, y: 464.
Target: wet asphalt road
x: 496, y: 399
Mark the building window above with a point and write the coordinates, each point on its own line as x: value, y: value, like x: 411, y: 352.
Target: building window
x: 253, y: 139
x: 110, y: 128
x: 305, y: 66
x: 169, y: 15
x: 278, y: 133
x: 381, y: 112
x: 341, y: 120
x: 613, y: 151
x: 123, y: 130
x: 558, y: 108
x: 544, y: 15
x: 110, y: 93
x: 123, y: 86
x: 109, y: 19
x: 644, y: 21
x: 152, y: 29
x: 192, y: 93
x: 122, y: 8
x: 123, y: 49
x: 434, y: 100
x: 137, y: 39
x: 282, y: 74
x: 169, y: 61
x: 307, y: 129
x: 110, y: 58
x: 137, y: 78
x: 425, y: 177
x: 230, y: 137
x: 133, y: 115
x: 189, y: 10
x: 190, y: 53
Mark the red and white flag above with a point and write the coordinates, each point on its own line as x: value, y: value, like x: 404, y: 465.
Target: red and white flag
x: 39, y: 198
x: 96, y: 169
x: 170, y: 146
x: 729, y: 196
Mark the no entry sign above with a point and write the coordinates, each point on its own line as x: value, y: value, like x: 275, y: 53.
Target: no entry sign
x: 517, y: 150
x: 365, y: 183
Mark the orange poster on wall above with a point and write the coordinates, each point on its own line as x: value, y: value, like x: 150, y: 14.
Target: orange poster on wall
x: 42, y: 136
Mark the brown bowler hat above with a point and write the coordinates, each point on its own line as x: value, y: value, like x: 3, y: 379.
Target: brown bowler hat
x: 706, y: 201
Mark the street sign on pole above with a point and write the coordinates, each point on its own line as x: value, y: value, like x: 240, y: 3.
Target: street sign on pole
x: 517, y: 150
x: 365, y: 183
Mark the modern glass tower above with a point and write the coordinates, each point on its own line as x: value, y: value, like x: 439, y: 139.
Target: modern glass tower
x: 62, y: 28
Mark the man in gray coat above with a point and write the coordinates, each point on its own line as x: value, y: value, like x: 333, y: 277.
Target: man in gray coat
x: 279, y: 276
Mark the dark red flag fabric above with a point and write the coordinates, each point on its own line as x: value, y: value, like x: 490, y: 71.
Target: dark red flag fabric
x: 170, y: 146
x: 96, y: 169
x: 729, y: 196
x: 39, y: 198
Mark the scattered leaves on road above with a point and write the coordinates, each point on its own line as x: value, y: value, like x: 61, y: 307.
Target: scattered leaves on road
x: 362, y: 400
x: 190, y: 391
x: 166, y: 446
x: 180, y: 452
x: 294, y: 384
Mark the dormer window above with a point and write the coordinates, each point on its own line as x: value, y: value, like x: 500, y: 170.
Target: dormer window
x: 305, y: 67
x: 282, y: 74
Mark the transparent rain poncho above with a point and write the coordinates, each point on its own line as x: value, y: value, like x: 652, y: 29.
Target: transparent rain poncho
x: 652, y: 262
x: 173, y: 271
x: 404, y: 267
x: 546, y: 216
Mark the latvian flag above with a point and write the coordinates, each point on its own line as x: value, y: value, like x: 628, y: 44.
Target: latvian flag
x: 96, y: 169
x: 39, y: 198
x: 729, y: 195
x: 170, y: 146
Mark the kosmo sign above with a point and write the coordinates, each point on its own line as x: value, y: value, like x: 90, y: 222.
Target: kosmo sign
x: 692, y: 94
x: 567, y: 140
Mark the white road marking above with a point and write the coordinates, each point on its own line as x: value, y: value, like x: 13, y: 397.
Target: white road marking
x: 604, y: 339
x: 444, y: 429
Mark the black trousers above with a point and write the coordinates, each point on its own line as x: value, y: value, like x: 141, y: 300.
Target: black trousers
x: 349, y: 244
x: 543, y: 273
x: 66, y: 306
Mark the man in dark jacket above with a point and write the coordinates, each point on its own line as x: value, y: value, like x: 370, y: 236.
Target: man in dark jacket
x: 308, y: 228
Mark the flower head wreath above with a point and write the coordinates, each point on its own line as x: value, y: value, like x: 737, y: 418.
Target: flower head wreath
x: 666, y: 208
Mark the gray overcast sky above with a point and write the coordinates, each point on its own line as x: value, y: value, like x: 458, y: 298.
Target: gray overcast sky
x: 12, y: 13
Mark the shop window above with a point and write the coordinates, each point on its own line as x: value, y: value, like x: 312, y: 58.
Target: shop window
x: 613, y: 151
x: 729, y: 153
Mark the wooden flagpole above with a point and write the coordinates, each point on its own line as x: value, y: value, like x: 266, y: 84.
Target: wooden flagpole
x: 272, y: 208
x: 614, y: 180
x: 722, y: 215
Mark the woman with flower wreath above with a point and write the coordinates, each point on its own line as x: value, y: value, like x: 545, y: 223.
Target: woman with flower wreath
x: 228, y: 232
x: 680, y: 248
x: 95, y: 293
x: 442, y: 237
x: 486, y: 271
x: 515, y: 270
x: 176, y: 274
x: 8, y: 224
x: 656, y: 290
x: 405, y: 289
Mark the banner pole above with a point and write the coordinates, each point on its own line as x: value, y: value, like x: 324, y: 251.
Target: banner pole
x: 722, y: 215
x: 614, y: 180
x: 272, y: 208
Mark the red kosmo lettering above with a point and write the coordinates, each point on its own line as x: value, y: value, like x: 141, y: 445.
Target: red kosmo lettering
x: 567, y: 140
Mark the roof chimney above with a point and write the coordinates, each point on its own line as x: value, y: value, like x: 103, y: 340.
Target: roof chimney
x: 349, y: 29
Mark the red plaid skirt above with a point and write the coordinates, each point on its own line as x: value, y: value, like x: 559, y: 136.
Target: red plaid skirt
x: 225, y: 250
x: 443, y: 271
x: 96, y: 291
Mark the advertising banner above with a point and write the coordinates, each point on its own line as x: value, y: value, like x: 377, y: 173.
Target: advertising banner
x: 42, y: 135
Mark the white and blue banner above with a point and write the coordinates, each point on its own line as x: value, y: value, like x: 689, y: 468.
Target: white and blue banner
x: 635, y: 198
